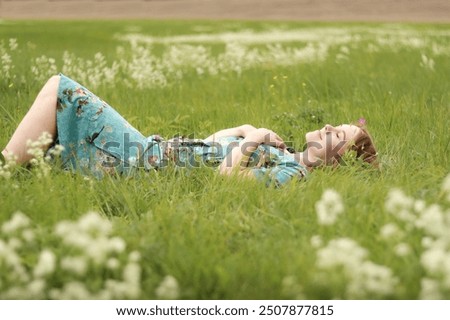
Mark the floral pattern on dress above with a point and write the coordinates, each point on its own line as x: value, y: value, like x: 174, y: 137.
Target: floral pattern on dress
x: 97, y: 139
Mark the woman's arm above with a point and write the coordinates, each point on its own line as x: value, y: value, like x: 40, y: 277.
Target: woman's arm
x: 241, y: 131
x: 238, y: 158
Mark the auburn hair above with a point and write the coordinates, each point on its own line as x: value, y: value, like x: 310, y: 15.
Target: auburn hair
x: 364, y: 147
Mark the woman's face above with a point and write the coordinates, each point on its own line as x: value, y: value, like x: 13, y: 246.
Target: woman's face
x: 329, y: 142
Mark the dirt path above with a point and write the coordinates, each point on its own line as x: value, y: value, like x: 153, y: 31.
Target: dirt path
x: 302, y: 10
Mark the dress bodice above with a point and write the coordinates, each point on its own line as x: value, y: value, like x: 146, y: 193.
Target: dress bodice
x: 266, y: 162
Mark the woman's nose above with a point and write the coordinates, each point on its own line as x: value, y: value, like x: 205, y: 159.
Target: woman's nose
x: 328, y: 127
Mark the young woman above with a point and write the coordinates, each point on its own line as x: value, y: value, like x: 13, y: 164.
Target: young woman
x: 98, y: 140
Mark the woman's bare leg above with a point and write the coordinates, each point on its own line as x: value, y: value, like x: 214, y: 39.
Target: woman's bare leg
x: 40, y: 118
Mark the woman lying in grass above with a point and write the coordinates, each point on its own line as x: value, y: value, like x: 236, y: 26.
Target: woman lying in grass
x: 98, y: 140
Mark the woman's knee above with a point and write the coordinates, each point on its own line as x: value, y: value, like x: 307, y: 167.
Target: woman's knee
x: 54, y: 81
x: 50, y: 90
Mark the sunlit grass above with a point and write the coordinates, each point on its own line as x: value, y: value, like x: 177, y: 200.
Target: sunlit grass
x: 225, y: 238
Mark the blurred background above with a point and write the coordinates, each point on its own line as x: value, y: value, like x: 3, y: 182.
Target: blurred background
x: 305, y: 10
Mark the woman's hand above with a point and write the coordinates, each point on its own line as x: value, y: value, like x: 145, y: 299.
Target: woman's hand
x: 265, y: 136
x: 240, y: 155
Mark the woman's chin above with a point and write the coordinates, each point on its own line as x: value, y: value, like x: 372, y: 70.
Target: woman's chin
x: 312, y: 136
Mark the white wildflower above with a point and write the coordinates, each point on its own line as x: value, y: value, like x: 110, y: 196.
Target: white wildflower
x: 433, y: 221
x: 291, y: 289
x: 143, y: 68
x: 64, y: 228
x: 341, y: 252
x: 28, y: 235
x: 7, y: 65
x: 56, y: 150
x: 119, y: 290
x: 11, y: 259
x: 371, y: 281
x: 43, y: 68
x: 117, y: 245
x: 427, y: 242
x: 78, y: 240
x: 435, y: 260
x: 168, y: 289
x: 427, y: 63
x: 46, y: 264
x: 6, y: 168
x: 4, y: 172
x: 98, y: 250
x: 15, y: 293
x: 72, y: 290
x: 36, y: 289
x: 14, y: 243
x: 419, y: 206
x: 400, y: 205
x: 316, y: 241
x: 134, y: 256
x: 343, y: 53
x: 17, y: 221
x: 390, y: 231
x: 329, y: 207
x: 365, y: 278
x: 132, y: 273
x: 77, y: 265
x: 344, y: 50
x: 402, y: 249
x: 36, y: 149
x: 340, y: 57
x: 114, y: 289
x: 446, y: 187
x: 13, y: 45
x: 132, y: 279
x: 73, y: 238
x: 90, y: 234
x: 112, y: 263
x: 430, y: 289
x: 94, y: 224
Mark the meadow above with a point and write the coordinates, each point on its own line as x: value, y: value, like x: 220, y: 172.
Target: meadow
x: 348, y: 233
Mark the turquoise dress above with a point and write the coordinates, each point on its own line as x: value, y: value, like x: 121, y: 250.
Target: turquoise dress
x: 98, y: 140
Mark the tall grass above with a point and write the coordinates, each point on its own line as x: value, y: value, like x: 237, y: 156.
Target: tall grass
x: 221, y: 237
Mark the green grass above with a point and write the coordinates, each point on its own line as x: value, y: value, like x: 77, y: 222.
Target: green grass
x: 224, y: 238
